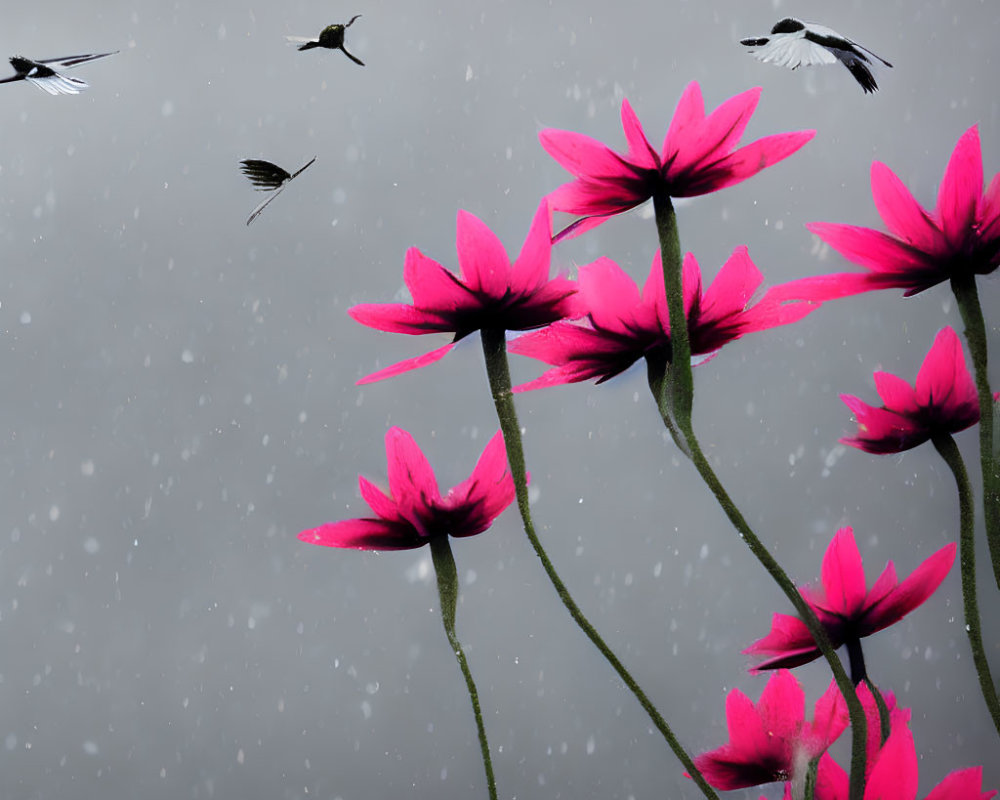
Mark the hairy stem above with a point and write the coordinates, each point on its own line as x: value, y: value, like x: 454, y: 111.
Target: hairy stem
x: 447, y: 581
x: 964, y: 288
x: 675, y: 401
x: 498, y: 370
x: 946, y: 446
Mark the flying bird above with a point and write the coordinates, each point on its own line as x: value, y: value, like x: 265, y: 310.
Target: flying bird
x: 331, y: 37
x: 267, y: 177
x: 793, y: 43
x: 45, y: 74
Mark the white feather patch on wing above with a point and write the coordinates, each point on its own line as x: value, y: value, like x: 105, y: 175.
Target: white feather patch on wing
x: 793, y: 51
x: 301, y: 39
x: 256, y: 212
x: 59, y: 84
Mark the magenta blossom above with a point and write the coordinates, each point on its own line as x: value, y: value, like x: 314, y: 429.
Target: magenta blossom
x: 891, y: 766
x: 490, y: 292
x: 414, y: 511
x: 846, y: 608
x: 698, y: 157
x: 943, y: 401
x: 621, y: 326
x: 922, y: 248
x: 771, y: 741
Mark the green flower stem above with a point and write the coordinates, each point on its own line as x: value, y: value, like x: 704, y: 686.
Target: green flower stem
x: 964, y: 288
x: 946, y: 446
x: 884, y: 719
x: 806, y: 614
x: 676, y: 414
x: 498, y: 370
x: 447, y: 581
x: 682, y: 382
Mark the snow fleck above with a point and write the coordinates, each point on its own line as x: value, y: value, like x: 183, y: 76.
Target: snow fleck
x: 91, y: 546
x: 87, y: 468
x: 90, y: 747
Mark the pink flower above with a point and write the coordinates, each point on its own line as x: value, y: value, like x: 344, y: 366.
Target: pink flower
x: 943, y: 401
x: 772, y: 741
x: 622, y: 326
x: 490, y: 292
x: 697, y: 157
x: 414, y: 510
x: 846, y: 608
x: 891, y: 766
x: 923, y: 248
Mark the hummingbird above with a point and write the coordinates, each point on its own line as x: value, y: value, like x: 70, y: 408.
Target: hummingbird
x: 331, y: 37
x: 45, y: 75
x: 268, y: 177
x: 793, y: 43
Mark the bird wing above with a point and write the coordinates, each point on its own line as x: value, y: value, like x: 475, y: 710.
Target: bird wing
x: 353, y: 58
x: 72, y: 61
x: 301, y: 39
x: 58, y: 84
x: 302, y: 169
x: 267, y: 201
x: 264, y: 175
x: 790, y: 50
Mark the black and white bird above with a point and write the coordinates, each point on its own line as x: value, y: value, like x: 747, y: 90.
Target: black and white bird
x: 45, y: 74
x: 793, y: 43
x: 331, y: 37
x: 268, y: 177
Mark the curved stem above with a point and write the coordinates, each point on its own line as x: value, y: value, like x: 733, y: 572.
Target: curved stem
x: 964, y: 289
x: 805, y: 612
x: 946, y: 446
x: 495, y: 351
x: 677, y: 417
x: 447, y: 581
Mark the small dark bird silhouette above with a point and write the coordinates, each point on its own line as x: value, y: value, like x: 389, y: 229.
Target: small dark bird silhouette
x: 267, y: 177
x: 793, y: 43
x: 43, y: 73
x: 331, y: 37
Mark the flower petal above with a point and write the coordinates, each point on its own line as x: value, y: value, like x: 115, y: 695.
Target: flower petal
x: 582, y: 155
x: 364, y: 534
x: 531, y: 270
x: 902, y: 214
x: 912, y: 592
x: 738, y: 166
x: 490, y: 487
x: 378, y: 501
x: 789, y: 643
x: 944, y: 381
x: 712, y: 138
x: 894, y: 775
x: 843, y: 575
x: 961, y: 188
x: 640, y: 152
x: 481, y: 255
x: 411, y: 478
x: 963, y: 784
x: 407, y: 365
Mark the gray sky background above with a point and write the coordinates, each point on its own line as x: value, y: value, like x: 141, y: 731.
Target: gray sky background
x: 179, y: 399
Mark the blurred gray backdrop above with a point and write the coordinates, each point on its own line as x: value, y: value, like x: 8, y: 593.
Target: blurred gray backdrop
x: 179, y: 398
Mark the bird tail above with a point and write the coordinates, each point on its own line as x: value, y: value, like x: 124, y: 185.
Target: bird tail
x: 308, y: 45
